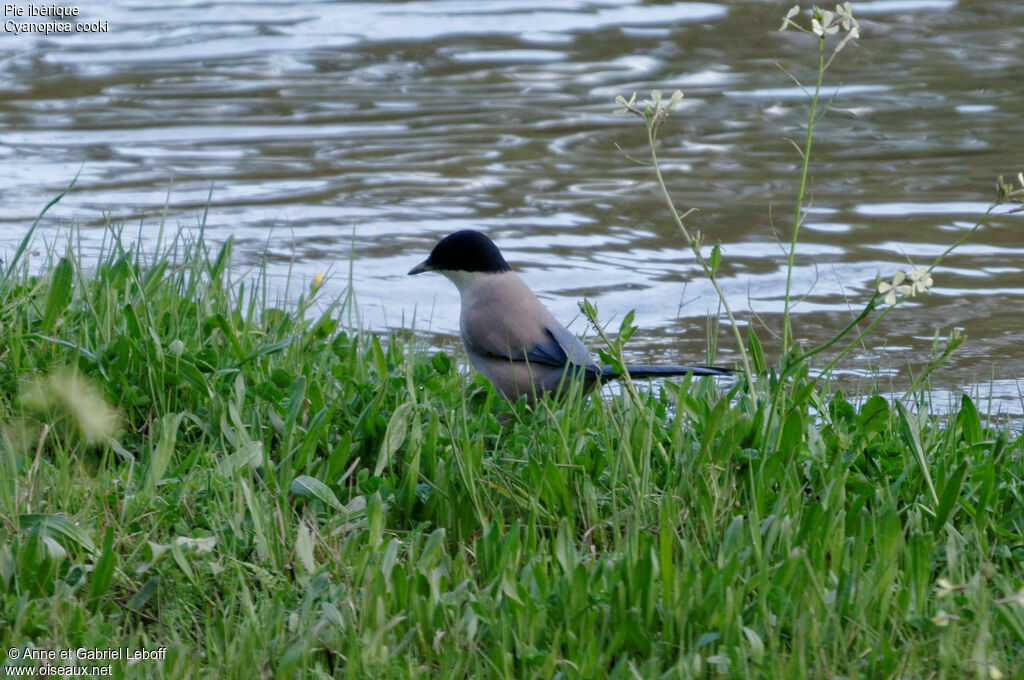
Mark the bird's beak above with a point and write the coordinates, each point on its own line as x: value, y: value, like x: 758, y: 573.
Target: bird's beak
x: 420, y: 268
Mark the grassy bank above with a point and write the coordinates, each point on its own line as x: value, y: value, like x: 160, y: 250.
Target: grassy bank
x: 265, y: 494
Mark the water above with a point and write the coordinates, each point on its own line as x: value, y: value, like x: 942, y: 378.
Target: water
x: 325, y: 128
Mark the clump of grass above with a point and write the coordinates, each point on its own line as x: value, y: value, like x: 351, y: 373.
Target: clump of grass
x: 293, y: 497
x: 281, y: 496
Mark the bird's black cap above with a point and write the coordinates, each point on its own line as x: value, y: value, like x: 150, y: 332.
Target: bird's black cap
x: 464, y: 251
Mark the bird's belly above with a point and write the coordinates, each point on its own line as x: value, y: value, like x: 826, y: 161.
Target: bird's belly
x: 515, y: 378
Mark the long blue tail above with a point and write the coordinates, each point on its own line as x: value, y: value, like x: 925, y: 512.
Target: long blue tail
x: 645, y: 371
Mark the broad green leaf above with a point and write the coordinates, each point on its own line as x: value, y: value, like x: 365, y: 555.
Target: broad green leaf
x: 375, y: 519
x: 311, y: 487
x: 912, y: 428
x: 138, y: 600
x: 60, y: 294
x: 950, y: 494
x: 249, y: 454
x: 969, y: 421
x: 432, y: 551
x: 394, y: 436
x: 756, y: 354
x: 304, y: 548
x: 755, y: 645
x: 792, y: 432
x: 58, y: 528
x: 259, y: 521
x: 6, y: 565
x: 716, y: 258
x: 441, y: 363
x: 874, y: 415
x: 666, y: 536
x: 103, y: 570
x: 164, y: 449
x: 186, y: 567
x: 565, y: 548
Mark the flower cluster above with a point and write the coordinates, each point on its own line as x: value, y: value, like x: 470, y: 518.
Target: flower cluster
x: 1007, y: 193
x: 825, y: 23
x: 903, y: 284
x: 651, y: 108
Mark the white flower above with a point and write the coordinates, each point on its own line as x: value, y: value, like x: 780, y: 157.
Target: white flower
x: 897, y: 287
x: 921, y: 280
x: 677, y: 97
x: 1017, y: 597
x: 906, y: 285
x: 942, y: 619
x: 845, y: 12
x: 826, y: 20
x: 626, y: 106
x: 852, y: 34
x: 848, y: 23
x: 788, y: 19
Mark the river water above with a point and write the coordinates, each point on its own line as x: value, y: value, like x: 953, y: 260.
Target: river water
x: 346, y: 138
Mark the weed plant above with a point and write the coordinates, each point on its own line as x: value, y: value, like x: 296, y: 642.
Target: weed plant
x: 238, y: 488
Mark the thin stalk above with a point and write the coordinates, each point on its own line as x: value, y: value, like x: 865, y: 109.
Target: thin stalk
x: 634, y: 396
x: 863, y: 334
x: 694, y: 246
x: 872, y: 303
x: 839, y: 336
x: 28, y: 235
x: 787, y: 331
x: 960, y: 241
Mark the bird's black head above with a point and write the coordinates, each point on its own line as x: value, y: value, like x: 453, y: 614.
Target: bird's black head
x: 466, y: 251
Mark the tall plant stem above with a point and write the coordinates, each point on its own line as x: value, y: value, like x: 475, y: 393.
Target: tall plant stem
x: 787, y: 331
x: 652, y: 125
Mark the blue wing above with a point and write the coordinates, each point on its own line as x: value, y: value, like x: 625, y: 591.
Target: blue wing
x: 561, y: 349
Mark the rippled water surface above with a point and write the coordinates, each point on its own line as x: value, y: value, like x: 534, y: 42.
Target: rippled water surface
x: 333, y: 132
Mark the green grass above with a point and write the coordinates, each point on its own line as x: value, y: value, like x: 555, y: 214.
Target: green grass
x: 266, y: 494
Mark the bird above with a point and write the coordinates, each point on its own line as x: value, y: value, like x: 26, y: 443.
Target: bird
x: 508, y: 333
